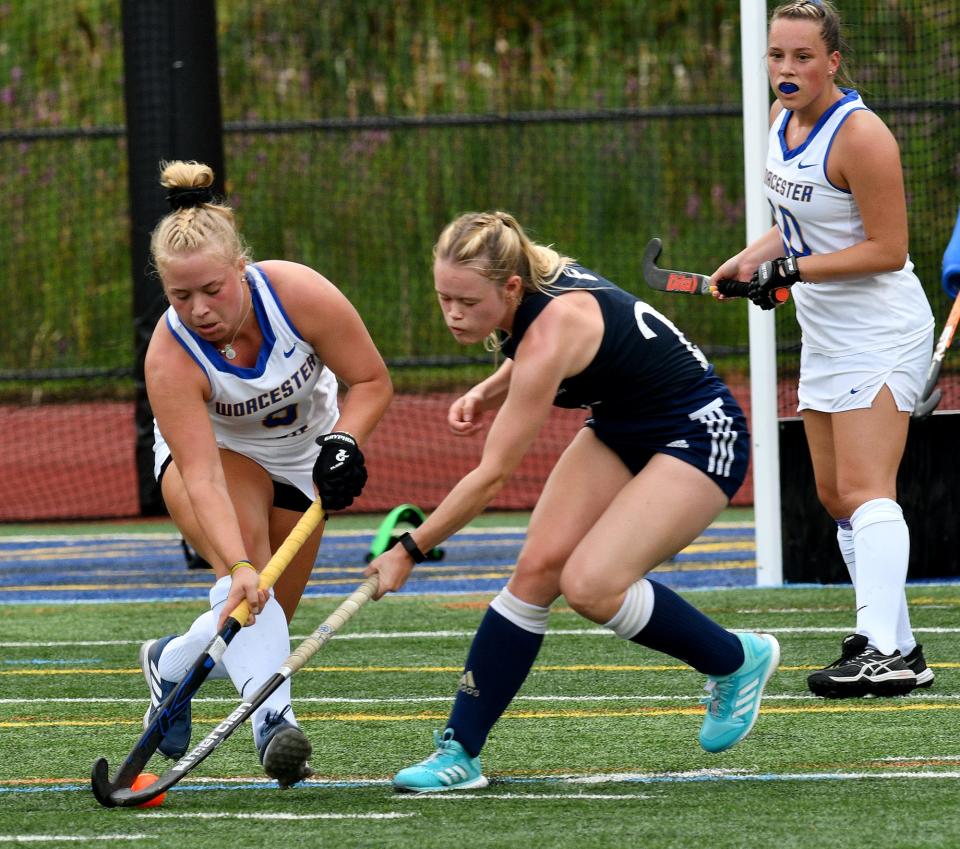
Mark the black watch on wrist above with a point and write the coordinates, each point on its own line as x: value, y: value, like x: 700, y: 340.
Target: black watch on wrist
x: 412, y: 548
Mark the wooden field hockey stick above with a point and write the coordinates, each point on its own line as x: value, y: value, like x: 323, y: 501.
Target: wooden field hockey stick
x: 103, y: 786
x: 125, y: 797
x: 931, y: 394
x: 690, y: 282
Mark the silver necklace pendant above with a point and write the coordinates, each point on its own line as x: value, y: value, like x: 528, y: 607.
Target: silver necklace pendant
x: 228, y: 350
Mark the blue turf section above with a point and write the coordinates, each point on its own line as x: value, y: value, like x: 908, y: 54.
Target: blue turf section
x: 151, y: 567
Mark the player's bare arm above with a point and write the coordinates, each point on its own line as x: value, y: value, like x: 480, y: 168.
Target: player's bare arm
x: 331, y: 324
x: 560, y: 343
x: 466, y: 414
x: 865, y: 159
x: 743, y: 265
x: 177, y: 390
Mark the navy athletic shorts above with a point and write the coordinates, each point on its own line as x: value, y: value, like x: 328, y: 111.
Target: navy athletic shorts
x: 706, y: 428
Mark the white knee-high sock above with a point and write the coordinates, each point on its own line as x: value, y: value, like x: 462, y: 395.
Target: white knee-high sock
x: 181, y: 652
x: 845, y: 543
x: 905, y: 639
x: 256, y: 653
x: 882, y: 550
x: 906, y: 642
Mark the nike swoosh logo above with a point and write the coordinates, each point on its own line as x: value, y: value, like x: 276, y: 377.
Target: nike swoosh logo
x: 854, y: 391
x: 862, y: 607
x: 808, y: 165
x: 290, y: 352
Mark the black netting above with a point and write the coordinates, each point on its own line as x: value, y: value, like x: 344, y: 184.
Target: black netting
x: 353, y: 132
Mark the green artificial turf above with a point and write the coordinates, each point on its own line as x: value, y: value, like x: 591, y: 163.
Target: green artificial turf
x: 599, y: 749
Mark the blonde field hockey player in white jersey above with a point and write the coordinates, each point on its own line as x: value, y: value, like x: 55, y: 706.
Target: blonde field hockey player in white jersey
x: 241, y: 374
x: 834, y: 181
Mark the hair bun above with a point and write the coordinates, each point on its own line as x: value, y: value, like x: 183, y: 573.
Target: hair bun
x: 185, y: 197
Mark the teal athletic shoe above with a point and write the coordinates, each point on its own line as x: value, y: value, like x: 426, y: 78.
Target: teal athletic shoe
x: 734, y: 700
x: 448, y: 768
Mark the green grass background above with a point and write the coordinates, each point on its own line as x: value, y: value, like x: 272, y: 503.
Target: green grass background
x: 55, y: 742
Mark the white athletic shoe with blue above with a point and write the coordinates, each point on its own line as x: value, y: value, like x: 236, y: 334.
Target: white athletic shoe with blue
x: 448, y: 768
x: 734, y: 700
x: 177, y: 739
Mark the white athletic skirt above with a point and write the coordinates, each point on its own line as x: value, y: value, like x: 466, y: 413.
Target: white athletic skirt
x: 852, y: 382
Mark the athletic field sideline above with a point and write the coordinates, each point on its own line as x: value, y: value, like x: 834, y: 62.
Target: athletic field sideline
x: 599, y: 750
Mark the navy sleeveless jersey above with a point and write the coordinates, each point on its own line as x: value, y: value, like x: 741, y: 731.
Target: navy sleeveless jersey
x: 644, y: 365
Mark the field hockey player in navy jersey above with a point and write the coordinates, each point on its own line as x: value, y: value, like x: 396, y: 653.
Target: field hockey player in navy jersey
x: 663, y: 449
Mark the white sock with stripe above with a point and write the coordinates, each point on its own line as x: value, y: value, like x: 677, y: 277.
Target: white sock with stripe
x: 847, y: 552
x: 635, y: 612
x: 530, y: 617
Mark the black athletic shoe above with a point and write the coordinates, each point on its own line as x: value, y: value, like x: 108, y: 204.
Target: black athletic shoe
x: 917, y: 662
x: 284, y: 750
x: 862, y: 671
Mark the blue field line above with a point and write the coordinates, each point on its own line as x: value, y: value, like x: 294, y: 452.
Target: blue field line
x: 105, y: 568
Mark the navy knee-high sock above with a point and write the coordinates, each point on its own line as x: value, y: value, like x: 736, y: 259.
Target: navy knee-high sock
x: 678, y: 629
x: 498, y: 663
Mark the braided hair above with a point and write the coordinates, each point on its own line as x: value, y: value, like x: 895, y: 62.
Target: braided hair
x: 198, y: 221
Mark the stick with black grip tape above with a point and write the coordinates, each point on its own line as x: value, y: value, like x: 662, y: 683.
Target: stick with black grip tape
x: 690, y: 282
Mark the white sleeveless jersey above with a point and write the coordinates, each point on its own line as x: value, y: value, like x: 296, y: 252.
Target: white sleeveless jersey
x: 814, y: 216
x: 273, y: 411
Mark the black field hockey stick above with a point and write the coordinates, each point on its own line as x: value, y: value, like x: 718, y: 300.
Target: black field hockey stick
x: 931, y: 394
x: 103, y: 786
x: 690, y: 282
x: 126, y: 797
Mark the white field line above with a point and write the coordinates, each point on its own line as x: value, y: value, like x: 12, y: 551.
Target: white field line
x: 314, y: 593
x: 226, y: 815
x: 401, y: 635
x: 71, y: 838
x: 642, y: 778
x: 526, y: 797
x: 568, y: 779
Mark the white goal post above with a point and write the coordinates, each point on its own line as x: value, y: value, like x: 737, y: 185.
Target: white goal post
x: 763, y: 349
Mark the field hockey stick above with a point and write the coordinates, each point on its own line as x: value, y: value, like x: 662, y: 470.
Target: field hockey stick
x: 931, y: 394
x: 103, y: 786
x: 690, y: 282
x: 126, y: 797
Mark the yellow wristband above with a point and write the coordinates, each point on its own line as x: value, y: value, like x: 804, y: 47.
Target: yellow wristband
x: 240, y: 563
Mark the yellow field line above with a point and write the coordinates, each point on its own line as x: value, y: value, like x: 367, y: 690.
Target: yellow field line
x: 574, y: 667
x: 476, y: 574
x: 919, y: 707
